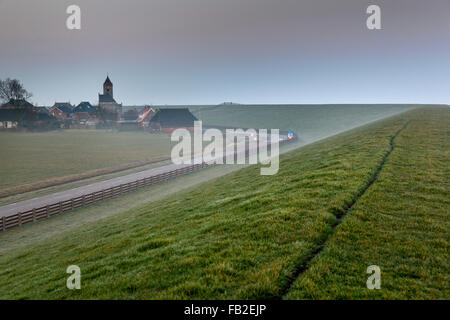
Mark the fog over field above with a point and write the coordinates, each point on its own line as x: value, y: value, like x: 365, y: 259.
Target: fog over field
x: 310, y: 122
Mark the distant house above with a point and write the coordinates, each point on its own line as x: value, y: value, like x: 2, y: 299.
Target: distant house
x: 84, y: 106
x: 15, y: 104
x: 61, y: 110
x: 9, y: 119
x: 144, y: 117
x: 14, y: 113
x: 82, y: 120
x: 167, y: 120
x: 42, y: 110
x: 83, y: 116
x: 21, y: 114
x: 134, y: 120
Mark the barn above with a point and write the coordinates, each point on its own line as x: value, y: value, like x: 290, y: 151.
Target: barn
x: 167, y: 120
x: 134, y: 120
x: 22, y: 114
x: 144, y: 117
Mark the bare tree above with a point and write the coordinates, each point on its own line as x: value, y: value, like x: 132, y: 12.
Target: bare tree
x: 13, y: 89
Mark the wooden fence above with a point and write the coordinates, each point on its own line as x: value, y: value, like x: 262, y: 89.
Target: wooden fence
x: 36, y: 214
x: 47, y: 211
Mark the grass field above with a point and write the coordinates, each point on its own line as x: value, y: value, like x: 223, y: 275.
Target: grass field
x: 246, y: 236
x: 401, y: 224
x: 36, y: 157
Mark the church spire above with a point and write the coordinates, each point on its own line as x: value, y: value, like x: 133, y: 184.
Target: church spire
x: 108, y: 86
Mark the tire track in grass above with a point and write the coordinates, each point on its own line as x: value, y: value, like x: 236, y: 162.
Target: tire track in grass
x: 303, y: 267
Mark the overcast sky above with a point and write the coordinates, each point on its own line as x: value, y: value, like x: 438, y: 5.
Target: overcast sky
x: 211, y: 51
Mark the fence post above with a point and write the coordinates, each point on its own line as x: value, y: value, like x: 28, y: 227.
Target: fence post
x: 71, y: 203
x: 82, y: 200
x: 20, y: 218
x: 4, y: 223
x: 34, y: 214
x: 60, y: 207
x: 47, y: 211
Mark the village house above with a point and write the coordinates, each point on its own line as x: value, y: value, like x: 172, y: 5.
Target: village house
x: 167, y: 120
x: 16, y: 114
x: 84, y: 116
x: 84, y: 106
x: 134, y: 120
x: 42, y: 110
x: 83, y: 120
x: 61, y: 110
x: 144, y: 117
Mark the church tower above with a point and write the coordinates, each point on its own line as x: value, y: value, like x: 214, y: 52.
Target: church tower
x: 108, y: 87
x: 107, y: 102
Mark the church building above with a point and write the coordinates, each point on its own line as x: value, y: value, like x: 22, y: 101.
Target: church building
x: 106, y: 100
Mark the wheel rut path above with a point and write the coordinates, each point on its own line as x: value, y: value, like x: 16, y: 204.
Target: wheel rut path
x: 306, y: 263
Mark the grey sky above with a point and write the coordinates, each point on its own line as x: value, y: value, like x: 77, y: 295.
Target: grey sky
x: 210, y: 51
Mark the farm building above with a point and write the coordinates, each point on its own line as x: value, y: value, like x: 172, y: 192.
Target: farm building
x: 9, y: 119
x: 17, y: 114
x: 167, y: 120
x: 132, y: 120
x: 144, y: 117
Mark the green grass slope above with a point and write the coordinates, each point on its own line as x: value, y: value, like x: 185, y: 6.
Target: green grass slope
x: 310, y: 122
x: 400, y: 224
x: 239, y: 236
